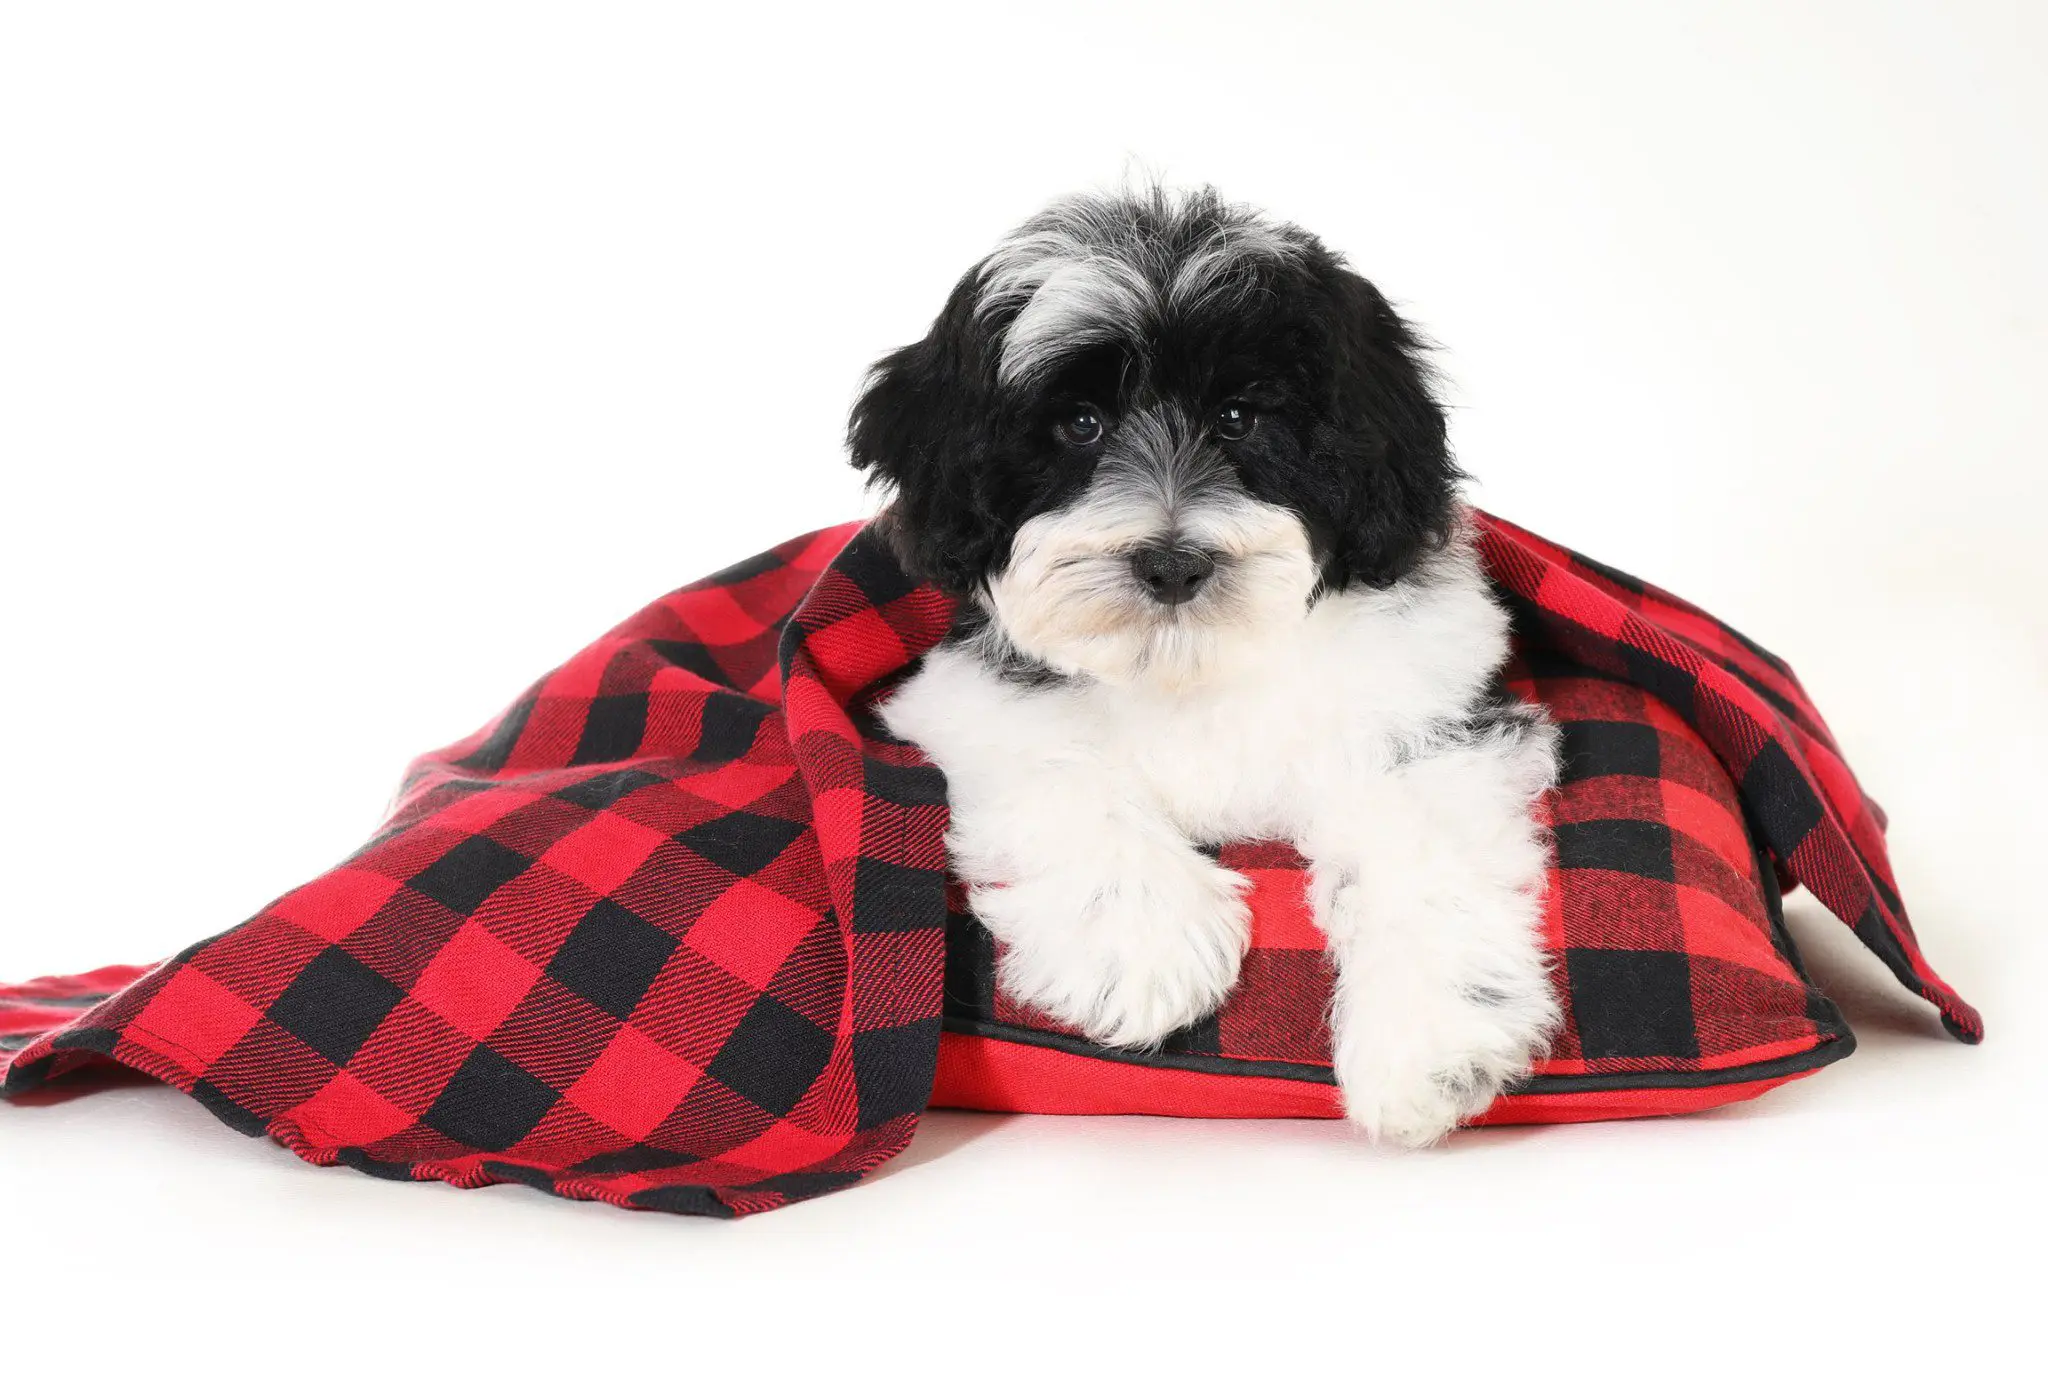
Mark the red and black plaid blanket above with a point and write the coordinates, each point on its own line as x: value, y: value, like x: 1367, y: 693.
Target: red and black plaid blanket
x: 670, y: 932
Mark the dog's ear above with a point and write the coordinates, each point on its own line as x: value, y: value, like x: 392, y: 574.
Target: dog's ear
x: 1386, y: 443
x: 925, y: 426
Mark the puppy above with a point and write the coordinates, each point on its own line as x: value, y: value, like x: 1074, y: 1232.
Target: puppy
x: 1187, y: 473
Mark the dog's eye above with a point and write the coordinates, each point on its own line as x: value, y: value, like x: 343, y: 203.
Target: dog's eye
x: 1234, y: 421
x: 1082, y: 426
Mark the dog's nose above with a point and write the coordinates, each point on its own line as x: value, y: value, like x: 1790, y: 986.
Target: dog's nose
x: 1171, y: 574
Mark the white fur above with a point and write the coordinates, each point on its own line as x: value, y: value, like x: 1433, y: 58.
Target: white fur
x: 1081, y: 273
x: 1077, y: 809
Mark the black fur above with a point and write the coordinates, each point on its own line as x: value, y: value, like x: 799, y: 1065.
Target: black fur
x: 1350, y: 438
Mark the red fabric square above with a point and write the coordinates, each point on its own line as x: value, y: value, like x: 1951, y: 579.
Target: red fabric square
x: 784, y: 1147
x: 717, y: 618
x: 738, y: 785
x: 475, y: 982
x: 1715, y: 930
x: 194, y: 1019
x: 333, y: 905
x: 856, y: 649
x: 345, y: 1112
x: 1716, y: 823
x: 603, y: 852
x: 634, y: 1084
x: 1281, y: 918
x: 749, y: 930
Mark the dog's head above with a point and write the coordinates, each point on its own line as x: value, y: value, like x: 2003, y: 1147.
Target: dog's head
x: 1150, y: 427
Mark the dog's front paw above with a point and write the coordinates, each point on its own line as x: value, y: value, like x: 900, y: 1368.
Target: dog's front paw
x: 1418, y: 1054
x: 1411, y: 1074
x: 1125, y: 958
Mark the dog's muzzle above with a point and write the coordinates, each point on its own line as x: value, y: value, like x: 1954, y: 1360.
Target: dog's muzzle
x: 1172, y: 574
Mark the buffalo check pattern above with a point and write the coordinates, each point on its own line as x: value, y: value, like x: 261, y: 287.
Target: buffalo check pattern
x: 672, y: 932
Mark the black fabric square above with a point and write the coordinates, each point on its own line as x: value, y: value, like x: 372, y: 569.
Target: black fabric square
x: 1785, y: 806
x: 894, y: 899
x: 1878, y: 937
x: 1632, y: 1005
x: 740, y: 842
x: 893, y: 1070
x: 1592, y: 748
x: 334, y: 1005
x: 685, y: 1201
x: 491, y: 1103
x: 1203, y: 1036
x: 730, y: 724
x: 1635, y: 846
x: 611, y: 957
x: 604, y: 791
x: 869, y: 563
x: 521, y: 1173
x: 226, y: 1109
x: 970, y: 988
x: 612, y: 729
x: 396, y: 1171
x: 773, y: 1057
x: 799, y: 1186
x: 909, y: 786
x: 92, y: 1037
x: 467, y: 873
x: 694, y: 657
x: 1674, y: 686
x: 641, y: 1158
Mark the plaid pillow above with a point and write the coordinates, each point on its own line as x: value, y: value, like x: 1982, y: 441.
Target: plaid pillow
x: 1679, y: 984
x: 672, y: 931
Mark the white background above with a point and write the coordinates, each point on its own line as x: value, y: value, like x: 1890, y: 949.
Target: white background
x: 357, y: 363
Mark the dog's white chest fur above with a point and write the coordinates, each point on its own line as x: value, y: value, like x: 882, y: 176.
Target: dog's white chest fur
x: 1359, y: 733
x: 1291, y: 720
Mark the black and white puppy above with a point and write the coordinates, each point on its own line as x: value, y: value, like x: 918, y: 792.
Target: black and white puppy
x: 1187, y: 470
